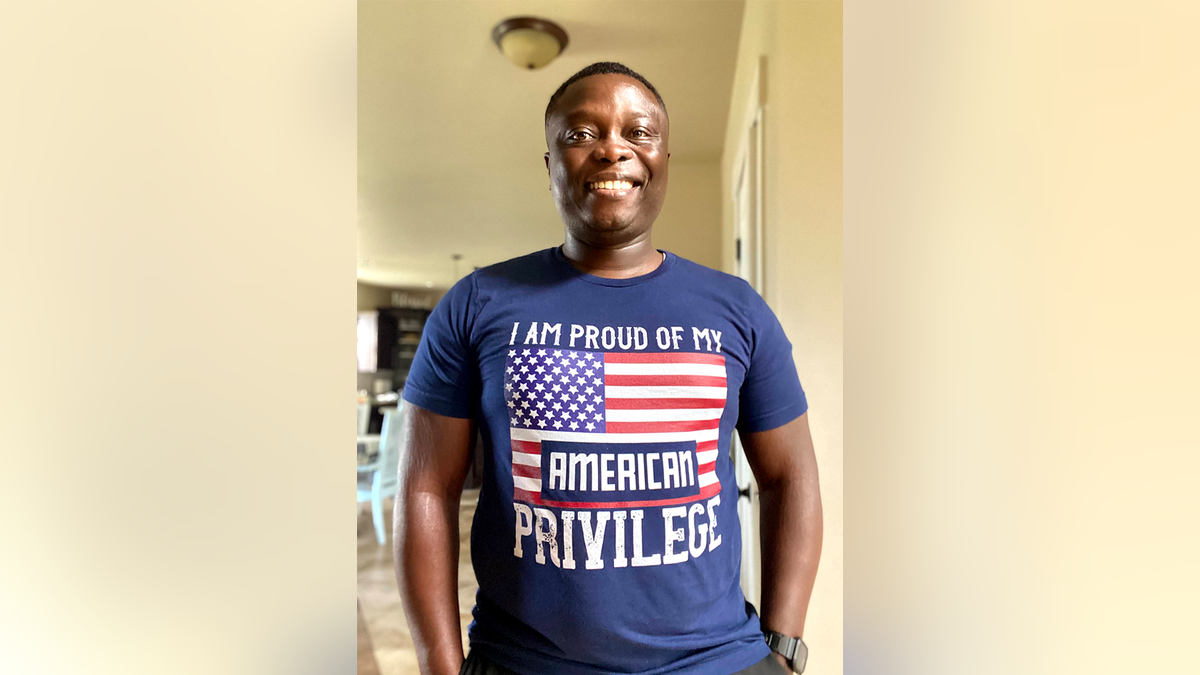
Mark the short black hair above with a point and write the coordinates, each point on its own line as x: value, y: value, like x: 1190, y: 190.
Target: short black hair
x: 602, y: 68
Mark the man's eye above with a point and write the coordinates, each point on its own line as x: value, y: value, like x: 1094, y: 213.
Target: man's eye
x: 578, y: 135
x: 639, y: 133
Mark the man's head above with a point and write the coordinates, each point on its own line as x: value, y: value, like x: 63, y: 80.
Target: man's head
x: 606, y: 135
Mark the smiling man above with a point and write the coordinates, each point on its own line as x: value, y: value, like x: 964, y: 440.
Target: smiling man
x: 607, y: 378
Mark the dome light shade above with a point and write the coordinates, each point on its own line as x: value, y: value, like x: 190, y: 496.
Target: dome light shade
x: 529, y: 42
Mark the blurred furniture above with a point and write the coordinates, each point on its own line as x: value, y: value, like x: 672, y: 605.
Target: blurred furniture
x: 368, y: 444
x: 387, y: 341
x: 377, y: 480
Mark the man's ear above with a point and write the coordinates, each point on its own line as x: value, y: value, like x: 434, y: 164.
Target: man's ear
x: 547, y: 158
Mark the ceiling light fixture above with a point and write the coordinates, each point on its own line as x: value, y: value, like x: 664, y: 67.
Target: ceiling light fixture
x: 529, y: 42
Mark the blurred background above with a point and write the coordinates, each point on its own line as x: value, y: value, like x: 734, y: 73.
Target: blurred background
x: 451, y: 177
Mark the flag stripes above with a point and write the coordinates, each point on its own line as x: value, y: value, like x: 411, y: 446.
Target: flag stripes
x: 641, y: 398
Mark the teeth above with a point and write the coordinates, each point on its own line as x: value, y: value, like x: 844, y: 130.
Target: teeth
x: 612, y: 185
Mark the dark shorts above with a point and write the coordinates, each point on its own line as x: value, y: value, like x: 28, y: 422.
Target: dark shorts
x: 478, y: 664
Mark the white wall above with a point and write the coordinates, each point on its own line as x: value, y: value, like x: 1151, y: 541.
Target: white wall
x: 802, y: 42
x: 690, y: 222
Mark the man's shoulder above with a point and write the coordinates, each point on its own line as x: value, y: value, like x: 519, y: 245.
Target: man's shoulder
x: 715, y: 279
x: 538, y: 264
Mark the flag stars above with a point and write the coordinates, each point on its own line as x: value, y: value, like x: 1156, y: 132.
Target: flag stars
x: 555, y: 389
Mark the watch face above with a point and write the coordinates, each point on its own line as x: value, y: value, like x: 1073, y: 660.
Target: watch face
x: 801, y: 657
x: 791, y: 648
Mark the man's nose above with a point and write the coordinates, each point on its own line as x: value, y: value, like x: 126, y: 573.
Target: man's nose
x: 612, y: 149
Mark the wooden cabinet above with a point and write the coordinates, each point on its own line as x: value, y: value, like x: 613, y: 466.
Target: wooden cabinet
x: 387, y: 340
x: 409, y: 324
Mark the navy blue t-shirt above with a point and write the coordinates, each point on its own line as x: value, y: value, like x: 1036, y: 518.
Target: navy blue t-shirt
x: 606, y: 539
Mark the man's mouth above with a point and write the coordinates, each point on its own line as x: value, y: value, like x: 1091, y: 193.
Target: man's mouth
x: 610, y: 185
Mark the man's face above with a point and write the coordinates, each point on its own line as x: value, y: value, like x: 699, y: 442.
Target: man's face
x: 607, y: 128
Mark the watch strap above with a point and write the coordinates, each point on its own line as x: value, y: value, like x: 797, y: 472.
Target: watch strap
x: 791, y: 648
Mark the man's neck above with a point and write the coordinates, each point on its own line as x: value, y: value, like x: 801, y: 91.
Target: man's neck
x: 620, y: 262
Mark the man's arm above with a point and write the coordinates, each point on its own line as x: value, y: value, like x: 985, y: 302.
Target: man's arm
x: 785, y: 467
x: 435, y: 452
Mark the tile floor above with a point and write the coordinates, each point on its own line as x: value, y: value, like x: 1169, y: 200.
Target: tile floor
x: 379, y: 600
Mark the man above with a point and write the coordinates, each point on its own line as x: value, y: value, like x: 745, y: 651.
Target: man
x: 607, y: 378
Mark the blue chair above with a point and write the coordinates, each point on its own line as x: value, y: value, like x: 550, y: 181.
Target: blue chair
x: 378, y: 480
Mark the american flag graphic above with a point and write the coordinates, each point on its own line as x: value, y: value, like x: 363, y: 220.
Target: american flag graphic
x: 621, y: 403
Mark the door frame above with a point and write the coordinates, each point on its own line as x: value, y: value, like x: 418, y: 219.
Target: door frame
x: 749, y: 264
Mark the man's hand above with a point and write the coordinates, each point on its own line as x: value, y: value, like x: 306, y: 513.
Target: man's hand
x: 785, y: 467
x: 435, y: 452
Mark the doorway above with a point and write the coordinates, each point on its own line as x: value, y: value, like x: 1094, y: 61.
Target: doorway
x: 748, y: 264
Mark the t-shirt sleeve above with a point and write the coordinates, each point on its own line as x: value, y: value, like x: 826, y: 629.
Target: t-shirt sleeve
x: 444, y: 377
x: 771, y: 394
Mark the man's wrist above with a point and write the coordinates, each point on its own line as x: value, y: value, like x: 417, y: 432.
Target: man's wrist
x: 788, y: 650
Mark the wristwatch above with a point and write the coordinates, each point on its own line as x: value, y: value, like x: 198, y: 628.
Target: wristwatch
x: 792, y: 648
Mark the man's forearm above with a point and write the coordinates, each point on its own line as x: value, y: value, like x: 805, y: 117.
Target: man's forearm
x: 791, y: 531
x: 426, y: 541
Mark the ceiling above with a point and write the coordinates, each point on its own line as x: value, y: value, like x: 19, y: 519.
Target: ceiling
x: 450, y: 137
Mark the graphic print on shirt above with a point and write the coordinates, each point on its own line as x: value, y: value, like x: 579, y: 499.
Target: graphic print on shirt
x: 612, y: 435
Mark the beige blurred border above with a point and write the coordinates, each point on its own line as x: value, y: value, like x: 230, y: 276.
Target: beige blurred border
x: 177, y: 205
x: 1021, y: 331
